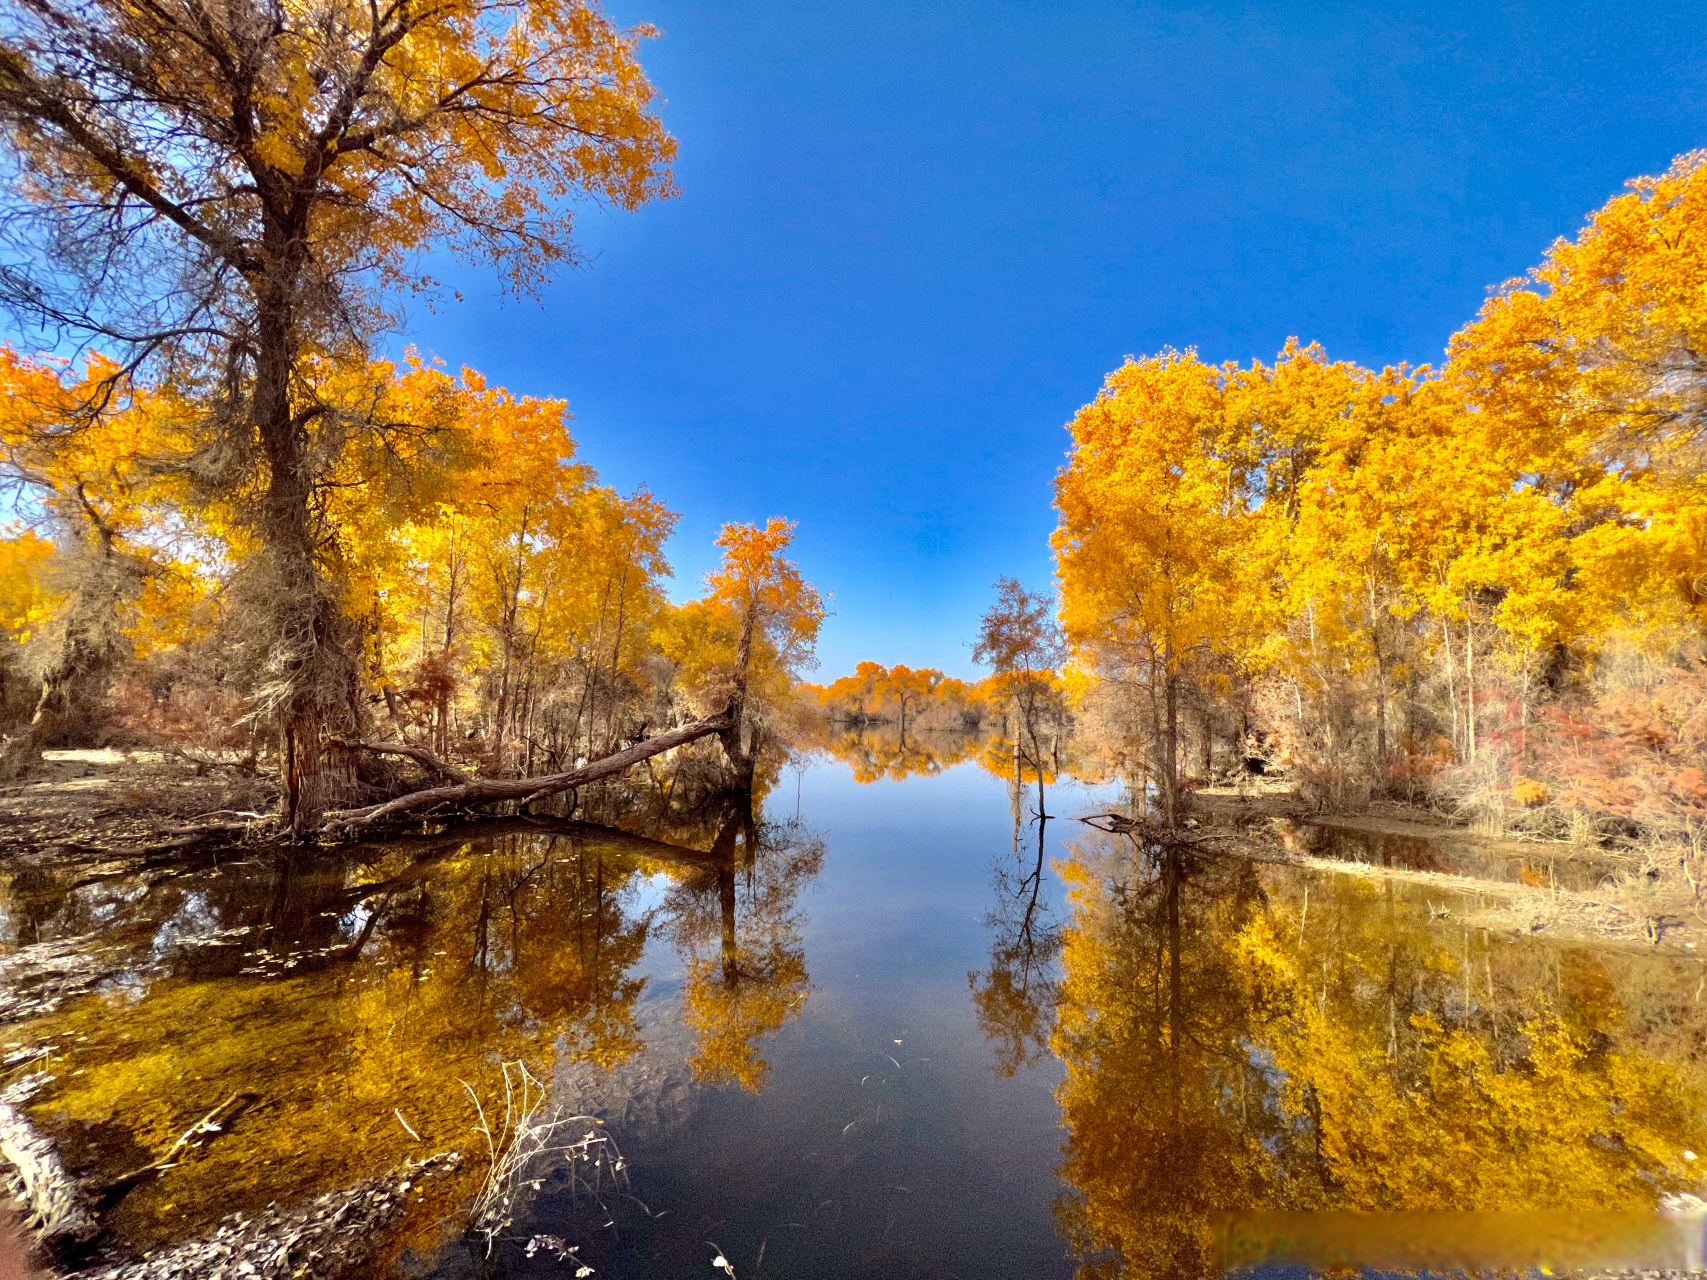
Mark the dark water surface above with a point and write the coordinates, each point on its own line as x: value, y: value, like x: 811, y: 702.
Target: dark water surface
x: 874, y: 1030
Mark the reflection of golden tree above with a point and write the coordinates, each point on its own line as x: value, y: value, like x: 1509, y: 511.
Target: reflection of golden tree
x: 879, y: 751
x: 1161, y: 1098
x: 745, y: 962
x: 432, y: 969
x: 1404, y: 1063
x: 1452, y: 1071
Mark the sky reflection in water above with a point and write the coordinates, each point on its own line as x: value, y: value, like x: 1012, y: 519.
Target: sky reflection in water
x: 890, y: 1042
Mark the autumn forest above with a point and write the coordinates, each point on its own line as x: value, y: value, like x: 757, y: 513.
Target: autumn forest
x: 330, y: 668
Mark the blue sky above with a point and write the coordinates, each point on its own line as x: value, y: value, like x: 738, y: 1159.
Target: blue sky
x: 914, y: 237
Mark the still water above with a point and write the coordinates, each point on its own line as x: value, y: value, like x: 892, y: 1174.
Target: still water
x: 879, y: 1028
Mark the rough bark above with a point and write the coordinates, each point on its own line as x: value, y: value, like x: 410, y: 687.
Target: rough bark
x: 23, y: 751
x: 311, y: 664
x: 420, y: 755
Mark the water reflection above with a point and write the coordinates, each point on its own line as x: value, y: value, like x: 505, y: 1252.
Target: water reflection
x: 356, y: 995
x: 1015, y: 997
x: 1241, y: 1038
x: 746, y: 968
x: 1412, y: 847
x: 1249, y: 1059
x: 875, y: 752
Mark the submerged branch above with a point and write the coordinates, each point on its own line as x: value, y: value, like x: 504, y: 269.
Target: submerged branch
x: 199, y: 1134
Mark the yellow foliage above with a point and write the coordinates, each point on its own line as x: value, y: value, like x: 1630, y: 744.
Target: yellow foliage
x: 1528, y: 793
x: 26, y: 599
x: 753, y: 587
x: 1228, y: 1048
x: 1329, y: 527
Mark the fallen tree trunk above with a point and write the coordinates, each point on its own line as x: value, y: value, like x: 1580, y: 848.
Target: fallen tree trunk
x: 491, y: 790
x: 420, y: 755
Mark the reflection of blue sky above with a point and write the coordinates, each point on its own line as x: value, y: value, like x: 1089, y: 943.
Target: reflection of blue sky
x: 645, y: 894
x: 194, y: 918
x: 885, y: 1075
x: 907, y: 879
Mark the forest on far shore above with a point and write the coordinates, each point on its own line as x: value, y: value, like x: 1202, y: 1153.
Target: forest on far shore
x: 1482, y: 584
x: 244, y: 537
x: 1479, y: 587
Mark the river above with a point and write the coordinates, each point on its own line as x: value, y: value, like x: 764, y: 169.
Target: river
x: 882, y: 1027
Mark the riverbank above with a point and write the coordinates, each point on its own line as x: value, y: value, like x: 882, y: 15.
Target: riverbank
x: 1529, y: 885
x: 108, y: 802
x: 774, y: 1075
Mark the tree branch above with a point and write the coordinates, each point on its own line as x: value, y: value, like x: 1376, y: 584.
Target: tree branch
x: 420, y: 755
x: 489, y: 790
x: 33, y: 100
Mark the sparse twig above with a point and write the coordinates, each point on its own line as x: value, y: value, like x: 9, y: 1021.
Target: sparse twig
x: 529, y: 1139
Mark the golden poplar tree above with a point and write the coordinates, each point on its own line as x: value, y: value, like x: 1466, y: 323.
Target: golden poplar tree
x: 1153, y: 549
x: 226, y: 196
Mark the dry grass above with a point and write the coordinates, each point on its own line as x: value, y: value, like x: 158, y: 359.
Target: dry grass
x: 524, y: 1152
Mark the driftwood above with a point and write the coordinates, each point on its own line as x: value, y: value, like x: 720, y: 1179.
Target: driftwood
x: 527, y: 790
x: 1188, y: 832
x: 1113, y: 823
x: 199, y: 1134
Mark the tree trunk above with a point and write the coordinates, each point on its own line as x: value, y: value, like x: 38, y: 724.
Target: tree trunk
x: 1170, y: 748
x: 90, y: 644
x: 1451, y: 680
x: 734, y: 737
x: 1019, y: 777
x: 1380, y: 686
x: 616, y: 662
x: 1037, y: 764
x: 1470, y: 682
x: 23, y: 752
x: 311, y: 669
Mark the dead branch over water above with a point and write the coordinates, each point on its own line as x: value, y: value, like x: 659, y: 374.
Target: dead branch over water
x: 526, y: 790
